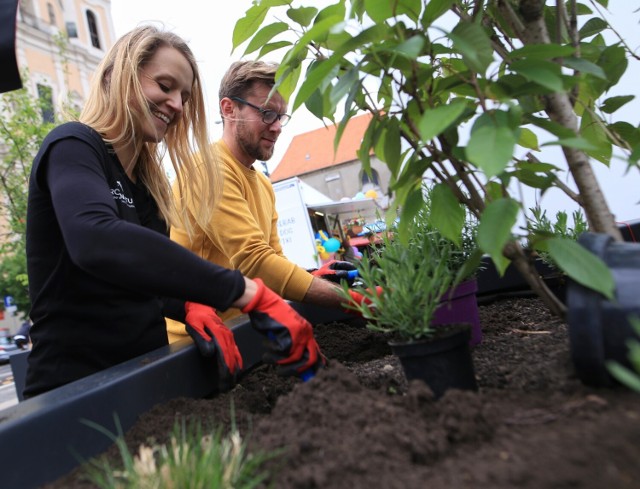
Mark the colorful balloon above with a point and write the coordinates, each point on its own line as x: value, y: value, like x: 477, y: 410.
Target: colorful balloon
x: 331, y: 245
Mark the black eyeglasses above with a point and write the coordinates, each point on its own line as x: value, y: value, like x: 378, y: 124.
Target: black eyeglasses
x: 268, y: 116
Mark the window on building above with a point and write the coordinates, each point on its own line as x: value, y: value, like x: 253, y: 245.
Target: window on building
x: 45, y: 94
x: 72, y: 30
x: 93, y: 29
x: 52, y: 13
x: 374, y: 178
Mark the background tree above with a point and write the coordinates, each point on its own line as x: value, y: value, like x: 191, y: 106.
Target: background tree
x: 454, y: 106
x: 21, y: 133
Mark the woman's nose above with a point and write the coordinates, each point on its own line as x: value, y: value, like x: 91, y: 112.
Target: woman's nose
x: 175, y: 102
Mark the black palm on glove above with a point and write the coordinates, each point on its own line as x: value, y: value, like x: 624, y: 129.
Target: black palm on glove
x: 291, y: 344
x: 213, y: 338
x: 336, y: 271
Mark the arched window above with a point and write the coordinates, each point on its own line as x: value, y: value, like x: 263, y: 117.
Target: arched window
x: 373, y: 179
x: 45, y: 94
x: 52, y: 13
x: 93, y: 29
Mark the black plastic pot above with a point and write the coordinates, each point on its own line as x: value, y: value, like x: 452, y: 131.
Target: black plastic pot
x: 443, y: 362
x: 599, y: 328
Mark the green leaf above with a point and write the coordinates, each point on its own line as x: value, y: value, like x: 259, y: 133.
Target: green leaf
x: 381, y: 11
x: 273, y: 46
x: 345, y: 84
x: 528, y: 139
x: 434, y: 10
x: 592, y: 27
x: 575, y: 143
x: 389, y: 143
x: 323, y: 70
x: 624, y: 375
x: 264, y: 35
x: 253, y: 18
x: 544, y: 73
x: 434, y: 121
x: 474, y: 45
x: 492, y: 143
x: 626, y: 131
x: 584, y: 66
x: 446, y: 213
x: 494, y: 230
x: 613, y: 62
x: 581, y: 265
x: 612, y: 104
x: 592, y: 129
x: 411, y: 48
x: 543, y: 51
x: 533, y: 180
x: 412, y: 203
x: 302, y: 15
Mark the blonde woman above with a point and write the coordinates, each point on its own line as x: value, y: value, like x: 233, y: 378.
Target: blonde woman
x: 103, y: 272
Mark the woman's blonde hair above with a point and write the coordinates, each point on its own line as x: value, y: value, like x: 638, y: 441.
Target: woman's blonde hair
x: 116, y: 108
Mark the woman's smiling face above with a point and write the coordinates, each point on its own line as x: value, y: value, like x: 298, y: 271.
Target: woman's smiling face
x: 166, y: 81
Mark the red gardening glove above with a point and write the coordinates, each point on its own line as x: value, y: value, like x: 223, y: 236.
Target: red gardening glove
x: 358, y: 299
x: 291, y: 342
x: 213, y: 337
x: 336, y: 271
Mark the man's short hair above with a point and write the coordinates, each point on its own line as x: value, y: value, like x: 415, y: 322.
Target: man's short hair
x: 242, y: 75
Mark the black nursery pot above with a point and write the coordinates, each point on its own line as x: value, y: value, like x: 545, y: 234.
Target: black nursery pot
x: 442, y: 362
x: 599, y: 329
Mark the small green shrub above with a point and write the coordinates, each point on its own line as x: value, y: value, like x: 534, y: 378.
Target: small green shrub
x: 413, y: 277
x: 540, y: 226
x: 194, y: 458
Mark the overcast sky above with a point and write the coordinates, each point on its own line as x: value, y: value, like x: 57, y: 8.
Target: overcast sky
x: 208, y: 28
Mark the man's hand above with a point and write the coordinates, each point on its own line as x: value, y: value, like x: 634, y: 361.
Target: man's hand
x: 336, y: 271
x: 358, y: 299
x: 291, y: 342
x: 213, y: 337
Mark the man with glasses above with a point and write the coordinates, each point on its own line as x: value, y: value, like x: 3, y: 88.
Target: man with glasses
x: 243, y: 232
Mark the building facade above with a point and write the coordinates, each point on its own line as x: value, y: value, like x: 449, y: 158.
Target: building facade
x: 337, y: 172
x: 60, y: 43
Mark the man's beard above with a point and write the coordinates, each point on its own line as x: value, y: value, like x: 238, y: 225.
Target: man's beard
x: 252, y: 148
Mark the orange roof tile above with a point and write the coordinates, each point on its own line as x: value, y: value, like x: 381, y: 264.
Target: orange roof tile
x: 313, y: 150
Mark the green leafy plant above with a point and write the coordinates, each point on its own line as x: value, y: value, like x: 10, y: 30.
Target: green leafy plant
x: 22, y: 131
x: 413, y: 276
x: 465, y: 255
x: 457, y: 101
x: 541, y: 228
x: 626, y: 376
x: 193, y: 458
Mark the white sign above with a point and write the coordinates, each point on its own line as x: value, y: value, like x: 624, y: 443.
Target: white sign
x: 294, y: 226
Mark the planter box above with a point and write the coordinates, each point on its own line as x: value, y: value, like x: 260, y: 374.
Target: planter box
x: 45, y: 437
x: 491, y: 286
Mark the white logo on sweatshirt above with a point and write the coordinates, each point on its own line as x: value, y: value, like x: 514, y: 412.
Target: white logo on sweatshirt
x: 118, y: 195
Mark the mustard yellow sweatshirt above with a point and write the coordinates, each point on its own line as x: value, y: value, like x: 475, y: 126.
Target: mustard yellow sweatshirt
x: 243, y: 235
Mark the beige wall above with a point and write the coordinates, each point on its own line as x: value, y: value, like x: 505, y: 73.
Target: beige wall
x: 343, y: 181
x: 37, y: 49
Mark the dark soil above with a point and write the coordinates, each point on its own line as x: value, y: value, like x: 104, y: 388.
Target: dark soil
x: 358, y: 424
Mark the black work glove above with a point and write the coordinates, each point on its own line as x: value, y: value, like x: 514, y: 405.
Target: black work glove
x: 336, y: 271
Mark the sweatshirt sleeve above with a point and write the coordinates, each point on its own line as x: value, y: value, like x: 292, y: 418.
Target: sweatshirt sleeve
x: 122, y: 252
x: 243, y: 233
